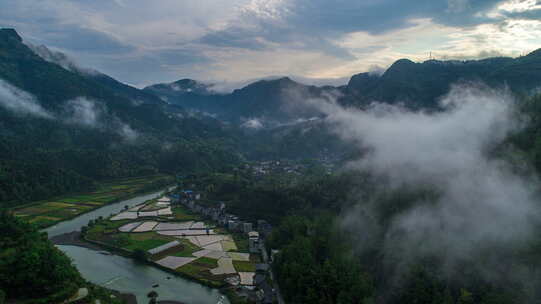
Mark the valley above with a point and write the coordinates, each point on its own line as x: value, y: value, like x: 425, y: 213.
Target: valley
x: 411, y: 184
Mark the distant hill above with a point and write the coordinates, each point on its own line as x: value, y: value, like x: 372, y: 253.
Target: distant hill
x: 273, y: 100
x: 421, y: 84
x: 416, y: 85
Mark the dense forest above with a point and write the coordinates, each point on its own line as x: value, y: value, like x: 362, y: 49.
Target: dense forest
x: 321, y: 259
x: 61, y: 130
x: 34, y: 271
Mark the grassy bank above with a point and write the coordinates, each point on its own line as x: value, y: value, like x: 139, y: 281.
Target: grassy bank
x: 52, y: 211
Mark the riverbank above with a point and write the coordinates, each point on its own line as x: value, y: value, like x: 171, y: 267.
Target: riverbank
x: 73, y: 239
x: 118, y: 271
x: 47, y: 213
x: 126, y: 234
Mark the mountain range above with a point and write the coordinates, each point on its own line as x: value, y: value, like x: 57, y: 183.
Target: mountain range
x: 416, y: 85
x: 63, y: 127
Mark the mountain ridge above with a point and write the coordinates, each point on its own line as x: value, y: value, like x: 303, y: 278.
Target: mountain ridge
x: 414, y: 84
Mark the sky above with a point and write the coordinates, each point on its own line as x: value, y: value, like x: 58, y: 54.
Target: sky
x: 142, y: 42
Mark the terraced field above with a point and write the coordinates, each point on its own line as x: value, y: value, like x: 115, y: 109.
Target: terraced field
x: 49, y: 212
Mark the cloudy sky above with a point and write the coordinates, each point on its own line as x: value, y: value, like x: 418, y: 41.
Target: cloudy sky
x: 142, y: 42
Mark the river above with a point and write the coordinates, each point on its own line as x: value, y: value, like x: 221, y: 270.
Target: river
x: 124, y: 274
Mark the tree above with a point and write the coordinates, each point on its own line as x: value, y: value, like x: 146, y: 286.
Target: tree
x: 140, y: 255
x: 466, y: 297
x: 84, y: 230
x: 153, y: 296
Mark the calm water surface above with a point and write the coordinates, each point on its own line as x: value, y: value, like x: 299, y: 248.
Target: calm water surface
x: 126, y: 275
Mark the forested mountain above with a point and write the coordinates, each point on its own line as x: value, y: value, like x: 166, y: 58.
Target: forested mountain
x: 91, y: 126
x: 420, y: 84
x: 416, y: 85
x: 62, y: 129
x: 273, y: 100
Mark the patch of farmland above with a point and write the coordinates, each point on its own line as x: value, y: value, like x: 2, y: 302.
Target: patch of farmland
x: 124, y: 216
x: 173, y: 262
x: 173, y: 226
x: 247, y: 278
x: 239, y: 256
x: 147, y: 213
x: 201, y: 253
x: 166, y: 211
x: 225, y: 266
x: 129, y: 227
x: 214, y: 247
x: 229, y: 245
x: 164, y: 247
x: 209, y: 239
x: 216, y: 254
x: 185, y: 232
x: 198, y: 225
x: 145, y: 227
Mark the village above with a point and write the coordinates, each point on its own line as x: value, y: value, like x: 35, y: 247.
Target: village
x: 284, y: 166
x: 178, y: 233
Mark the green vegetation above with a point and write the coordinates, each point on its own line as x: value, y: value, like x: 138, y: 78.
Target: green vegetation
x: 182, y: 214
x: 241, y: 240
x: 31, y: 267
x: 187, y: 249
x: 144, y: 240
x: 316, y: 267
x: 140, y: 255
x: 242, y: 266
x: 209, y: 263
x: 33, y: 271
x: 200, y: 270
x: 51, y: 171
x: 44, y: 158
x: 50, y: 212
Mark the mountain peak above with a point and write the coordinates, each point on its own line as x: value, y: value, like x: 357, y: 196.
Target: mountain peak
x: 280, y: 82
x: 535, y: 53
x: 9, y: 33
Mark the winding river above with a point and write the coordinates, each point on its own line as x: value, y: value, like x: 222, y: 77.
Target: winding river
x: 125, y: 275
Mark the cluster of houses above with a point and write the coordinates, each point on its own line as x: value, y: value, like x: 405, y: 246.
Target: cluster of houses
x: 292, y: 167
x: 261, y: 289
x: 266, y: 167
x: 190, y: 199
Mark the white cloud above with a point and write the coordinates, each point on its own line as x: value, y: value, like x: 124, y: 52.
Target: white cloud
x: 19, y: 101
x: 518, y: 6
x: 480, y: 201
x: 92, y: 114
x: 85, y: 112
x: 253, y: 123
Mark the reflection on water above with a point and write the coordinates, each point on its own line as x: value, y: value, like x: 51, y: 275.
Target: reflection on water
x: 124, y: 274
x: 105, y: 211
